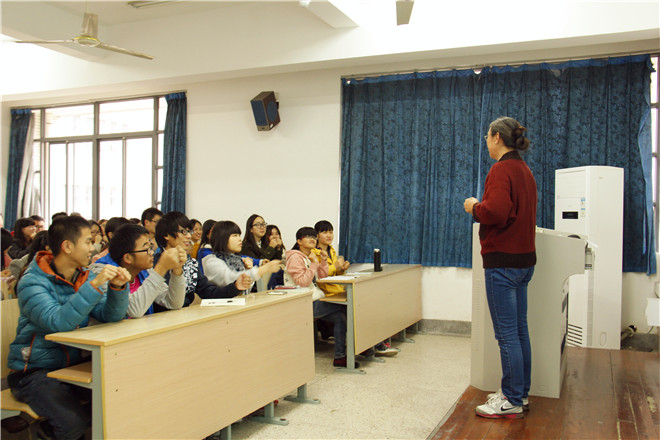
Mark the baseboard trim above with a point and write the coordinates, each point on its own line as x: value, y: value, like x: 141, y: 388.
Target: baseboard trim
x: 446, y: 327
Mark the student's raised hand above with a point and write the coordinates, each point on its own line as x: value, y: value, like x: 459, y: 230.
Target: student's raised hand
x: 274, y: 242
x: 312, y: 257
x: 272, y: 266
x: 345, y: 265
x: 247, y: 262
x: 263, y: 261
x: 243, y: 282
x: 323, y: 254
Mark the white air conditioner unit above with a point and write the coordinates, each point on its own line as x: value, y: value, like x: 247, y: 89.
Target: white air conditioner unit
x: 589, y: 202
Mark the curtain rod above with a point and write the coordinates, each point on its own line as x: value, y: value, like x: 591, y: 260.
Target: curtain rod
x: 481, y: 66
x: 92, y: 101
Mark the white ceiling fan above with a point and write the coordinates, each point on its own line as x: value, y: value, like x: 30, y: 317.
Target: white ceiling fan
x: 89, y: 37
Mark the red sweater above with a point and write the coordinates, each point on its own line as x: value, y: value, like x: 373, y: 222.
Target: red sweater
x: 507, y: 214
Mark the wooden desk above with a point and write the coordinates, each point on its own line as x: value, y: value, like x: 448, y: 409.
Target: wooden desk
x: 190, y: 372
x: 381, y: 304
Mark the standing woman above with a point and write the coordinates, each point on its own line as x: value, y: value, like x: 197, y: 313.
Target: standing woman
x: 507, y: 217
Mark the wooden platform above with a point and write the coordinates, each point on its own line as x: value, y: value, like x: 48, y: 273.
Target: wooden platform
x: 607, y: 394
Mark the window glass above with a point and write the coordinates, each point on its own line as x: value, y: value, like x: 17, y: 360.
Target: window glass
x: 70, y: 121
x: 162, y: 112
x: 139, y: 160
x: 126, y: 116
x: 57, y: 178
x: 36, y: 156
x: 110, y: 179
x: 80, y: 178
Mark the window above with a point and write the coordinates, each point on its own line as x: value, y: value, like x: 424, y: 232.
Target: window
x: 101, y: 160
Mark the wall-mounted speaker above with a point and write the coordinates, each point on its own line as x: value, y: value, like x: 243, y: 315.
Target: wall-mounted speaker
x: 265, y: 110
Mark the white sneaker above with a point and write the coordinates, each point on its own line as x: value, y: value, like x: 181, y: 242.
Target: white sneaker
x: 525, y: 400
x: 498, y: 407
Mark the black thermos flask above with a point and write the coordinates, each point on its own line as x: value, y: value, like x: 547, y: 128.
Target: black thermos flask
x: 377, y: 266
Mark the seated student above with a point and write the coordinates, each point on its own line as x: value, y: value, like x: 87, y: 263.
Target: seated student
x: 171, y: 232
x: 303, y: 268
x: 39, y: 222
x: 225, y: 264
x: 98, y: 239
x: 150, y: 218
x: 5, y: 243
x: 205, y: 243
x: 110, y: 227
x: 326, y: 235
x: 196, y: 228
x: 39, y: 243
x: 274, y: 236
x: 56, y: 294
x: 255, y: 243
x: 132, y: 249
x: 24, y: 232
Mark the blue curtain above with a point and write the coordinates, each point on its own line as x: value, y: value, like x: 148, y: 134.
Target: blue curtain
x: 174, y: 154
x: 593, y: 112
x: 410, y: 148
x: 20, y: 122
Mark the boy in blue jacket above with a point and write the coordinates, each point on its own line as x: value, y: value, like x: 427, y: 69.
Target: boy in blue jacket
x: 56, y: 294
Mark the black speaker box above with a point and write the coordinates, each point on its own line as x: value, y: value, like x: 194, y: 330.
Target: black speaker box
x: 265, y: 110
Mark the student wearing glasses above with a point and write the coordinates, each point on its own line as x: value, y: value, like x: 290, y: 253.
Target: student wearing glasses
x: 132, y: 249
x: 256, y: 243
x: 172, y: 232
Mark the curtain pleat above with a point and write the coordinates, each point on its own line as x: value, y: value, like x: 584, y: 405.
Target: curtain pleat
x: 20, y: 123
x: 174, y: 154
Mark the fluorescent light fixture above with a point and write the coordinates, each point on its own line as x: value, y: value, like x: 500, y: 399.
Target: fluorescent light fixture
x: 403, y: 10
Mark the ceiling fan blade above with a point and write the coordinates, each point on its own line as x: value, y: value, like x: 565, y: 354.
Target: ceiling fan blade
x: 45, y: 41
x: 124, y: 51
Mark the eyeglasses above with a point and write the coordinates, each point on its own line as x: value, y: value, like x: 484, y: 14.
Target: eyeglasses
x: 185, y: 231
x: 312, y: 237
x: 259, y: 225
x: 149, y: 250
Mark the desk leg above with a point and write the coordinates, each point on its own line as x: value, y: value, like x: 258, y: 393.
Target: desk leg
x: 97, y: 395
x: 302, y: 396
x: 414, y: 329
x: 225, y: 433
x: 402, y: 337
x: 350, y: 335
x: 269, y: 416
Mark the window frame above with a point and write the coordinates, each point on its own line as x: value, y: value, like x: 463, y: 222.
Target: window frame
x: 43, y: 143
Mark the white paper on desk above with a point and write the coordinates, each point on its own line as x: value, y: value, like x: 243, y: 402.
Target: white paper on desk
x: 359, y: 274
x: 222, y: 302
x: 339, y: 278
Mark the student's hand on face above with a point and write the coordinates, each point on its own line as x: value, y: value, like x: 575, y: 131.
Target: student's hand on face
x: 273, y: 242
x: 243, y: 282
x: 323, y: 254
x: 247, y: 262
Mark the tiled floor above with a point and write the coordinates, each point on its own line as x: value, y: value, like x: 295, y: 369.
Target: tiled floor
x: 404, y: 398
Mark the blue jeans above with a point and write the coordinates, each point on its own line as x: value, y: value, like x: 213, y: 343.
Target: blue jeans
x: 58, y: 402
x: 336, y: 313
x: 506, y: 291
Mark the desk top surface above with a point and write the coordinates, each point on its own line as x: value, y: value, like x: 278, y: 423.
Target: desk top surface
x: 388, y: 269
x: 128, y: 329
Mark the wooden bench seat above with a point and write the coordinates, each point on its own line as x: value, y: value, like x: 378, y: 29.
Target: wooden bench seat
x: 9, y: 403
x: 81, y: 373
